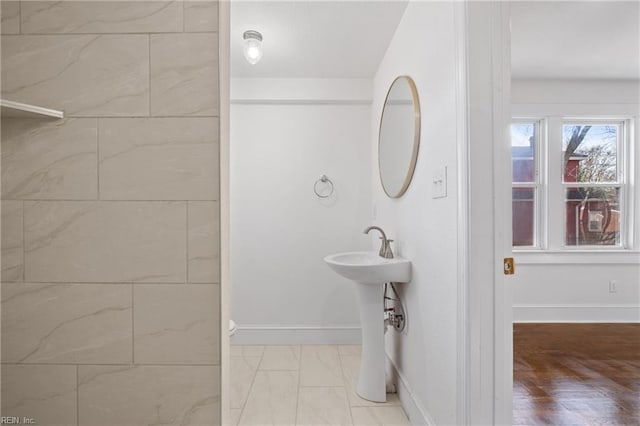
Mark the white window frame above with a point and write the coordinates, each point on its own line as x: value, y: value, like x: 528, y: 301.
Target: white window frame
x: 539, y: 185
x: 621, y: 182
x: 550, y: 223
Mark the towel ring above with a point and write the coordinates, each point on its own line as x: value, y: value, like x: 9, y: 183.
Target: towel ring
x: 323, y: 179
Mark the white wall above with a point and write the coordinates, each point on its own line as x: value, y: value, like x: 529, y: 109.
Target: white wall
x: 574, y: 92
x: 559, y: 287
x: 286, y: 134
x: 425, y: 229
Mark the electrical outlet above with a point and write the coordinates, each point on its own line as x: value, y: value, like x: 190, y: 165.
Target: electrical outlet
x: 613, y: 286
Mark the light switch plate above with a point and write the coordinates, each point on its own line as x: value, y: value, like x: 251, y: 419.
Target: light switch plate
x: 439, y: 183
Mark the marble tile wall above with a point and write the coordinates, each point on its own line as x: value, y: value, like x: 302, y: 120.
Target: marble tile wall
x: 86, y: 75
x: 110, y: 307
x: 10, y: 17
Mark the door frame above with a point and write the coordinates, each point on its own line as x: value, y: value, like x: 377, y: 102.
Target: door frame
x: 485, y: 336
x: 224, y: 79
x: 484, y: 331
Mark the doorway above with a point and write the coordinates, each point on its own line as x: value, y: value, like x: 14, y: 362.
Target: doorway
x: 574, y: 104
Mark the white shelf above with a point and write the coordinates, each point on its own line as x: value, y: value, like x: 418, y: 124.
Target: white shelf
x: 17, y: 110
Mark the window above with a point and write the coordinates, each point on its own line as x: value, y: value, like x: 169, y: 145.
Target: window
x: 569, y: 183
x: 592, y: 183
x: 525, y: 178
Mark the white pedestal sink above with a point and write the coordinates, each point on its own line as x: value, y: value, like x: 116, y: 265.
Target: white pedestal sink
x: 370, y: 272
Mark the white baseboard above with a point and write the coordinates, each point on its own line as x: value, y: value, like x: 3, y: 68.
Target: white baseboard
x: 576, y: 313
x: 297, y: 335
x: 418, y: 415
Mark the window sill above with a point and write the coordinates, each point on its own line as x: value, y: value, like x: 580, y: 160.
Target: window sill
x: 576, y: 257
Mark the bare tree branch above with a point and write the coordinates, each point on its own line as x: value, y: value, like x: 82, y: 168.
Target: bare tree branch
x: 577, y: 136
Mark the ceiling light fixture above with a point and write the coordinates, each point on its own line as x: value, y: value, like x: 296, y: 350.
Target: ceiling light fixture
x: 252, y: 46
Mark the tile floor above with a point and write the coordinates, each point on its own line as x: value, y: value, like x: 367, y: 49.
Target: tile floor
x: 303, y: 385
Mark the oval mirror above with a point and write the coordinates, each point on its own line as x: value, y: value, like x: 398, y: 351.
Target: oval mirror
x: 399, y: 136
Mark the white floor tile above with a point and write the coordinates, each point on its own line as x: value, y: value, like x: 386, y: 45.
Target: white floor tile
x: 320, y: 366
x: 234, y: 416
x: 280, y: 358
x: 323, y: 406
x: 243, y: 370
x: 272, y: 399
x: 267, y: 389
x: 351, y: 368
x: 247, y: 350
x: 379, y: 416
x: 350, y: 350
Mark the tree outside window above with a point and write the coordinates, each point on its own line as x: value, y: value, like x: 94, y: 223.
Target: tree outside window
x: 569, y: 183
x: 592, y: 185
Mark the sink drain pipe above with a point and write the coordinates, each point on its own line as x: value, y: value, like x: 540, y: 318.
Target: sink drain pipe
x: 394, y: 315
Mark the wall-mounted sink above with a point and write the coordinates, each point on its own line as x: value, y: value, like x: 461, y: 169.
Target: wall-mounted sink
x: 370, y: 271
x: 369, y: 268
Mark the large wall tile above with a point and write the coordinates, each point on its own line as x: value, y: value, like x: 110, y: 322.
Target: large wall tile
x: 110, y: 217
x: 159, y: 158
x: 46, y: 17
x: 184, y: 74
x: 10, y: 17
x: 50, y: 159
x: 84, y: 241
x: 204, y: 242
x: 66, y: 323
x: 84, y: 75
x: 177, y: 324
x: 145, y: 395
x: 45, y: 393
x: 201, y: 15
x: 11, y: 241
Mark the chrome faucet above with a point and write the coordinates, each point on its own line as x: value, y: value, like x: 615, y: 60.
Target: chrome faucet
x: 385, y: 248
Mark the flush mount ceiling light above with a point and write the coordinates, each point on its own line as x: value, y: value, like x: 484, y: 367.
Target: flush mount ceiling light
x: 252, y: 46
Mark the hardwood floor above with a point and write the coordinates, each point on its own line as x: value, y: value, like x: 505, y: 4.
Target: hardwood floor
x: 576, y: 374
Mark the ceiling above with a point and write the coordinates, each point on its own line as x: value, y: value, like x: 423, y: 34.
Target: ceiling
x: 314, y: 39
x: 348, y: 39
x: 576, y: 40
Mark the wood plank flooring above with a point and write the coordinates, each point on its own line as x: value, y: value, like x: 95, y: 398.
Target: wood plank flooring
x: 576, y: 374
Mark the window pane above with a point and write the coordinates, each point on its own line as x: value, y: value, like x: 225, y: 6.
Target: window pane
x: 523, y: 216
x: 522, y: 152
x: 590, y: 152
x: 593, y: 216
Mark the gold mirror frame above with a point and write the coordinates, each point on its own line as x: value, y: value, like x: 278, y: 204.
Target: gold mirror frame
x: 416, y: 136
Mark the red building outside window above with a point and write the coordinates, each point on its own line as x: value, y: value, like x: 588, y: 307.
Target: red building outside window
x: 592, y: 182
